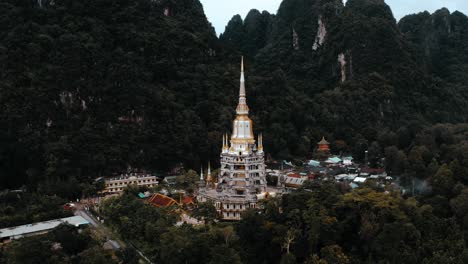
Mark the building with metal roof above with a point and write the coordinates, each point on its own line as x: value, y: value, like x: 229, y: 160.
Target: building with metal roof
x: 39, y: 228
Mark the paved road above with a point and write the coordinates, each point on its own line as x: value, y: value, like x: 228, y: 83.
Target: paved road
x: 86, y: 216
x: 116, y: 244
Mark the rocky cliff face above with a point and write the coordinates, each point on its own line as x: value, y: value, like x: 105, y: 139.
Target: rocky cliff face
x: 440, y: 39
x: 363, y: 31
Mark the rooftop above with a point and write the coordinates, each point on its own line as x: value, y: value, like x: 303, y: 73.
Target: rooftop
x: 226, y: 197
x: 323, y: 142
x: 19, y: 231
x: 131, y: 176
x: 160, y: 200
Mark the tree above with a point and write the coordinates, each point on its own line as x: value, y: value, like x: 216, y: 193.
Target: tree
x: 459, y: 204
x: 205, y: 212
x: 459, y: 207
x: 32, y: 250
x: 70, y: 240
x: 416, y: 163
x: 288, y: 258
x: 96, y: 255
x: 224, y: 254
x: 178, y: 245
x: 128, y: 255
x: 375, y: 154
x: 187, y: 179
x: 314, y: 259
x: 334, y: 254
x: 229, y: 234
x: 289, y: 239
x: 395, y: 161
x: 442, y: 182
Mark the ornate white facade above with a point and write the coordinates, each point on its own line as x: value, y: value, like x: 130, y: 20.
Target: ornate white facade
x: 242, y: 179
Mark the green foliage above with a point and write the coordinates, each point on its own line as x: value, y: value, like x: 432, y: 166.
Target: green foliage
x: 187, y: 180
x: 26, y: 208
x: 315, y: 225
x: 30, y: 250
x: 334, y: 254
x: 152, y: 230
x: 288, y: 258
x: 205, y: 212
x: 133, y: 219
x: 128, y: 255
x: 224, y: 255
x: 93, y: 87
x: 443, y: 182
x: 62, y: 245
x: 96, y: 255
x: 70, y: 240
x: 100, y: 86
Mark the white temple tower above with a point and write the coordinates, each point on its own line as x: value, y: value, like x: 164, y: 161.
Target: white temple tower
x: 242, y: 178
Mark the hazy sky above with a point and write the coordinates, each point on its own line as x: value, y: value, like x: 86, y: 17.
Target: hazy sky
x: 219, y: 12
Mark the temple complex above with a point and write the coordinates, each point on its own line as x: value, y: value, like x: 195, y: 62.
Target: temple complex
x: 242, y: 180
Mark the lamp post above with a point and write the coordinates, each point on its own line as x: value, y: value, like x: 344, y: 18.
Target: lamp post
x: 366, y: 158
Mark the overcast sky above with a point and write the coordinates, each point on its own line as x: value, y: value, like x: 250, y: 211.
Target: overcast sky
x: 219, y: 12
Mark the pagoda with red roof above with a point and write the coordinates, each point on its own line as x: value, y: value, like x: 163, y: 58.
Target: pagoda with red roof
x: 323, y: 146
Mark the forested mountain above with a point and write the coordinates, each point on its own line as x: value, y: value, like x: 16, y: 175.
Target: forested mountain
x: 352, y: 69
x: 93, y: 87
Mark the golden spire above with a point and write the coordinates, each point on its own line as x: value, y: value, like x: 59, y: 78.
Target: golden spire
x: 260, y: 142
x: 201, y: 173
x: 242, y: 108
x: 224, y: 143
x: 227, y: 141
x: 209, y: 179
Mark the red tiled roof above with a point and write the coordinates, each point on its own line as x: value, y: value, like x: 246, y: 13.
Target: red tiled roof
x: 294, y: 175
x: 187, y: 200
x: 160, y: 200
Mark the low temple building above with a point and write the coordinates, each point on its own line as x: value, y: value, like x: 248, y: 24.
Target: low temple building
x: 160, y: 200
x: 294, y: 180
x: 118, y: 184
